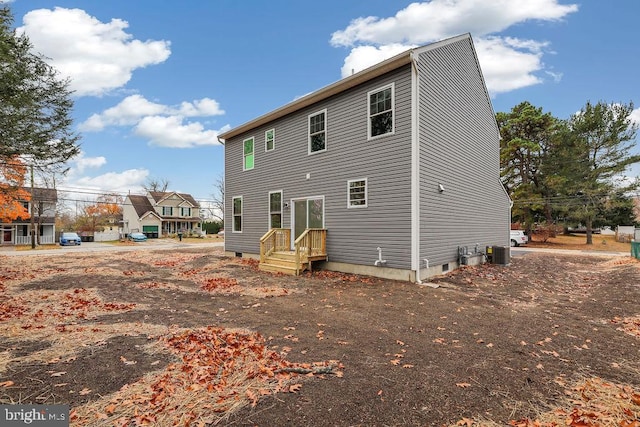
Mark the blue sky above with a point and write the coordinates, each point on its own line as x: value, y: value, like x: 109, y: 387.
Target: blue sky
x: 156, y: 81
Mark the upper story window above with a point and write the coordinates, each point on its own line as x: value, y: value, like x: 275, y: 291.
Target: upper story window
x: 237, y: 214
x: 357, y: 193
x: 247, y: 162
x: 381, y: 111
x: 270, y: 140
x: 167, y: 210
x: 185, y: 211
x: 318, y: 132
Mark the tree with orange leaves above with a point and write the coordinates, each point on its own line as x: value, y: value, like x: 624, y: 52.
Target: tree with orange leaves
x: 12, y: 192
x: 94, y: 217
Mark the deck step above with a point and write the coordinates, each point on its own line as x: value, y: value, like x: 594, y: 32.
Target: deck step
x: 275, y: 268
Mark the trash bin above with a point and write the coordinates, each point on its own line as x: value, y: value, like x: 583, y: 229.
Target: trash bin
x: 635, y: 249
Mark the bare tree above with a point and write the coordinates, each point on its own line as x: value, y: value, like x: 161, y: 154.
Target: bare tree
x: 154, y: 184
x: 217, y: 199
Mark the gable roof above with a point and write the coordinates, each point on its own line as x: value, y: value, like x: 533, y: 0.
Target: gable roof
x: 159, y: 196
x: 358, y: 78
x: 141, y: 204
x: 43, y: 194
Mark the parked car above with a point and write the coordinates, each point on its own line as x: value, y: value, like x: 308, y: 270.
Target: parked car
x: 69, y: 238
x: 518, y: 238
x: 137, y: 237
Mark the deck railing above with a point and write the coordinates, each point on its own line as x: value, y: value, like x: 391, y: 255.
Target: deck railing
x: 311, y: 244
x: 274, y: 240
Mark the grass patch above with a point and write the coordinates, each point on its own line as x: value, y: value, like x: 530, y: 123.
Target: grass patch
x: 578, y: 242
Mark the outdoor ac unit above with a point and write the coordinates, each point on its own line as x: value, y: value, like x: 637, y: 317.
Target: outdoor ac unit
x: 501, y: 255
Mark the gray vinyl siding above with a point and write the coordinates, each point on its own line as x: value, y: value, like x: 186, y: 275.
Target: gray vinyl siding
x: 459, y: 148
x: 353, y: 234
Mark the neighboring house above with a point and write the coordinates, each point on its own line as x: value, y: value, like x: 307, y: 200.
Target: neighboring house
x: 43, y: 208
x: 395, y: 170
x: 161, y: 213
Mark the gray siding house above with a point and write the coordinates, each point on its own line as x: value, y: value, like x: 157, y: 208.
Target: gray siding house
x: 399, y: 163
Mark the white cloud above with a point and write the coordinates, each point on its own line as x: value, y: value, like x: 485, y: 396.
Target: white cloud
x: 96, y: 56
x: 507, y: 63
x: 201, y: 108
x: 635, y: 116
x: 437, y: 19
x: 362, y: 57
x: 128, y: 112
x: 120, y: 182
x: 173, y: 131
x: 80, y: 163
x: 162, y: 125
x: 505, y: 68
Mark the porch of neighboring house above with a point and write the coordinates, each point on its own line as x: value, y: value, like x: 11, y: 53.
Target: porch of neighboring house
x: 170, y: 227
x: 277, y: 255
x: 18, y: 234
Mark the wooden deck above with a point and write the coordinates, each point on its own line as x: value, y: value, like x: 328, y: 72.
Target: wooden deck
x: 276, y: 255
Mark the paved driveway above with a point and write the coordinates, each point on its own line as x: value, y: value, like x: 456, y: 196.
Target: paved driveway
x: 111, y: 247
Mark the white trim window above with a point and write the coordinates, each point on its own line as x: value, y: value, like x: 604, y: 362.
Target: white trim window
x: 357, y: 193
x: 185, y: 211
x: 270, y: 140
x: 236, y: 207
x: 248, y: 159
x: 381, y: 111
x: 275, y: 209
x: 318, y: 132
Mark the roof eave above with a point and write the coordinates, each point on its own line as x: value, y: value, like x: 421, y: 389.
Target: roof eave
x: 324, y: 93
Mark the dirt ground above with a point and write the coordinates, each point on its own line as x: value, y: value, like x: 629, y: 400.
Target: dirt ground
x: 195, y: 338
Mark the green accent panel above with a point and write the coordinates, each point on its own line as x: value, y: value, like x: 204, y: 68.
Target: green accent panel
x: 248, y: 162
x: 150, y: 228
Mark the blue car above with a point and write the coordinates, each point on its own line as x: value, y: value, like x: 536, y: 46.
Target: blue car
x: 67, y: 239
x: 137, y: 237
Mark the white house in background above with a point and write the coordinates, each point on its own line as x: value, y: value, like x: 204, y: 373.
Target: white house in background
x: 43, y: 208
x: 161, y: 213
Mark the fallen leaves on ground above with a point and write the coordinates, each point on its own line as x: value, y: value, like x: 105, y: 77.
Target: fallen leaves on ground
x: 592, y: 402
x: 629, y: 325
x: 217, y: 371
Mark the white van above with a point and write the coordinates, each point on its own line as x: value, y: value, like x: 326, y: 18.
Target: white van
x: 518, y: 238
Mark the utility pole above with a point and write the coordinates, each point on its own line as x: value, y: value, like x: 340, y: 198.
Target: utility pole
x: 33, y: 231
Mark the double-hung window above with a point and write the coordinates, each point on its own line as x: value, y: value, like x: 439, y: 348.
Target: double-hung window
x: 248, y: 160
x: 318, y: 132
x: 237, y: 214
x: 270, y: 140
x: 381, y: 111
x: 357, y: 193
x: 185, y: 211
x: 167, y: 210
x: 275, y: 209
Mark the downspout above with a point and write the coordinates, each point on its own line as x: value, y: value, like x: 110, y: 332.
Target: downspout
x: 415, y: 169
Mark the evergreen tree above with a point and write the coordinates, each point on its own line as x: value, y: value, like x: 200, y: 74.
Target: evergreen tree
x: 602, y: 135
x: 35, y: 104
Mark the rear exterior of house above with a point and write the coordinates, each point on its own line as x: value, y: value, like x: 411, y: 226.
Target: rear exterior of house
x: 398, y: 163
